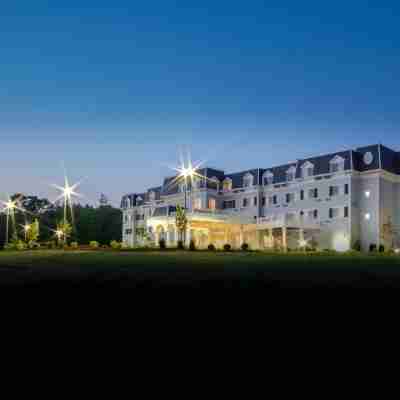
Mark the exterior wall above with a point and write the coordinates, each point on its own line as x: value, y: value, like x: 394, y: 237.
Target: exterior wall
x: 372, y: 219
x: 369, y: 206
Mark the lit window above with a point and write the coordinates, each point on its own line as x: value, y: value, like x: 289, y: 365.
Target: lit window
x: 367, y: 216
x: 367, y: 194
x: 211, y: 204
x: 227, y: 185
x: 197, y: 204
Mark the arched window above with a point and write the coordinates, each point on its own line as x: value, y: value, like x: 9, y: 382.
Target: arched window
x: 336, y: 164
x: 268, y: 178
x: 307, y: 170
x: 227, y: 185
x: 291, y: 174
x: 248, y: 180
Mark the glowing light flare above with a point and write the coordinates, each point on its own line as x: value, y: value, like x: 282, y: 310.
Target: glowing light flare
x: 27, y: 227
x: 303, y: 243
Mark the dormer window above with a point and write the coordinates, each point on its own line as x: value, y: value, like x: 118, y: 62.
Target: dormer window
x: 307, y: 170
x: 152, y: 196
x: 227, y: 185
x: 268, y: 178
x: 336, y: 164
x: 248, y: 180
x: 291, y: 174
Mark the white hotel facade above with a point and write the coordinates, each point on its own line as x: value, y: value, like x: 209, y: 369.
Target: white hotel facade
x: 335, y: 201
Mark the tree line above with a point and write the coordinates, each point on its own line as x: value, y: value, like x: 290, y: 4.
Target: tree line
x: 102, y: 224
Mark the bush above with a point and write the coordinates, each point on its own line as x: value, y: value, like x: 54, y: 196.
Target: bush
x: 227, y: 247
x: 93, y: 244
x: 115, y: 245
x: 211, y: 247
x: 162, y: 244
x: 180, y: 245
x: 104, y: 246
x: 372, y: 247
x: 357, y: 245
x: 381, y: 248
x: 32, y: 245
x: 245, y: 247
x: 192, y: 245
x: 74, y: 245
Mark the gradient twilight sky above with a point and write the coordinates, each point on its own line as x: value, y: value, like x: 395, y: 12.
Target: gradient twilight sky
x: 114, y: 88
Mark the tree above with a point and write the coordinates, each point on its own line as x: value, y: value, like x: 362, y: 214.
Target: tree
x: 32, y: 234
x: 103, y: 200
x: 64, y: 230
x: 181, y: 222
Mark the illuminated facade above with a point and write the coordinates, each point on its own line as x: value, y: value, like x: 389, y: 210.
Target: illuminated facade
x: 335, y: 201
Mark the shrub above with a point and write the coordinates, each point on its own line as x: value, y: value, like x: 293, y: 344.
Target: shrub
x: 32, y: 245
x: 211, y: 247
x: 372, y: 247
x: 180, y: 245
x: 381, y: 248
x: 162, y: 244
x: 104, y: 246
x: 93, y: 244
x: 20, y: 245
x: 74, y: 245
x: 245, y: 247
x: 357, y: 245
x: 227, y: 247
x: 115, y: 245
x: 192, y: 245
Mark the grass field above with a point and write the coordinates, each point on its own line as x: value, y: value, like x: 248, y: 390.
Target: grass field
x: 195, y: 269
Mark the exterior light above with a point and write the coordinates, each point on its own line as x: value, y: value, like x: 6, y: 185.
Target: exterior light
x: 397, y: 251
x: 27, y: 227
x: 367, y: 216
x: 367, y: 194
x: 302, y: 243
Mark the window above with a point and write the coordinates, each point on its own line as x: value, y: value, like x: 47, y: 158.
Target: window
x: 333, y: 213
x: 307, y: 170
x: 313, y: 193
x: 346, y: 188
x: 268, y: 178
x: 255, y: 201
x: 273, y: 199
x: 229, y: 204
x: 289, y: 197
x: 245, y: 202
x: 333, y: 190
x: 315, y: 214
x: 214, y: 183
x: 211, y: 204
x: 128, y: 231
x: 227, y: 185
x: 263, y: 201
x: 346, y: 212
x: 291, y: 174
x: 336, y: 164
x: 197, y: 204
x: 248, y: 180
x: 301, y: 194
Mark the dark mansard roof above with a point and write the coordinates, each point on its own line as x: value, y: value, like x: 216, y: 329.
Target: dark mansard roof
x: 362, y: 159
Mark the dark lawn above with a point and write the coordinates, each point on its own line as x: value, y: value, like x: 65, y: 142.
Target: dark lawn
x: 195, y: 269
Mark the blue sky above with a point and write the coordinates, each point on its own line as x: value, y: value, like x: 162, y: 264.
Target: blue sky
x: 114, y: 89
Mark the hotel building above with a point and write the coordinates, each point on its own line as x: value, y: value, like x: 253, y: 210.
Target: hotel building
x: 335, y: 201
